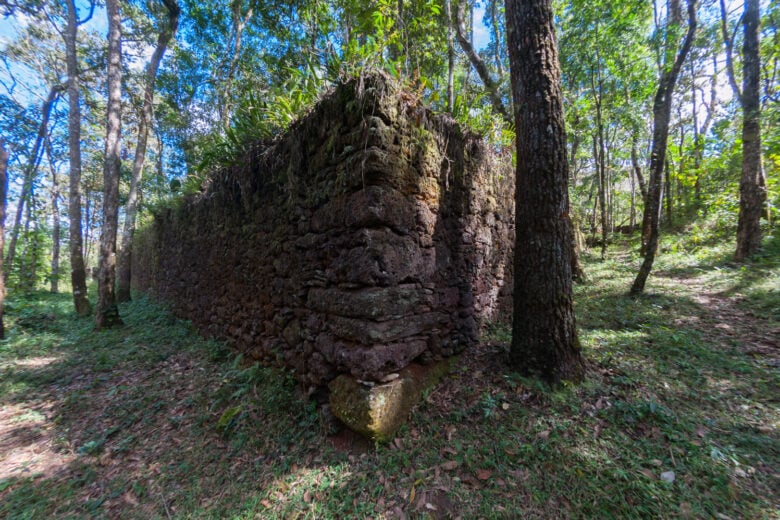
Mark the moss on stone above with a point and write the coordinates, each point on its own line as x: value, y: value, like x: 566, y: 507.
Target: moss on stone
x: 377, y: 411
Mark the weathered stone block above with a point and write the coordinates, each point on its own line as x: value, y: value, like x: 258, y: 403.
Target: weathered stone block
x: 378, y: 410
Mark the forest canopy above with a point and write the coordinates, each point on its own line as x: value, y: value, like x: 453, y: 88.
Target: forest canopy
x: 201, y: 81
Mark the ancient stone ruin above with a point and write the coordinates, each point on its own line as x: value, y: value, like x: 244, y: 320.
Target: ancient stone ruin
x: 361, y: 250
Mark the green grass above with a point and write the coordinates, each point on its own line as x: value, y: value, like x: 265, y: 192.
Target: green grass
x: 152, y: 421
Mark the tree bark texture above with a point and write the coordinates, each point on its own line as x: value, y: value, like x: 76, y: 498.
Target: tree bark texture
x: 544, y: 334
x: 752, y: 189
x: 662, y: 111
x: 3, y: 197
x: 107, y: 313
x: 131, y: 209
x: 78, y: 276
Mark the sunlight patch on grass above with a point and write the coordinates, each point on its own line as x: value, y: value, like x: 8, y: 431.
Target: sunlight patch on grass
x: 33, y: 362
x: 28, y: 443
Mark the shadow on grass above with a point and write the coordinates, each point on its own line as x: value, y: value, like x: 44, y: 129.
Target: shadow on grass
x: 151, y: 421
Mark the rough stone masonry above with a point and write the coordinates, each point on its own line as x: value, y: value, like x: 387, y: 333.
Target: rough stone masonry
x: 360, y: 249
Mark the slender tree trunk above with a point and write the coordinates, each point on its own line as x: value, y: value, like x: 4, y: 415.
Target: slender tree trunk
x: 78, y: 276
x: 3, y: 197
x: 669, y: 193
x: 594, y: 211
x: 600, y: 154
x: 752, y: 188
x: 696, y: 149
x: 401, y: 27
x: 106, y: 312
x: 31, y: 256
x: 55, y: 219
x: 450, y: 59
x: 632, y: 210
x: 484, y: 74
x: 681, y: 164
x: 125, y: 251
x: 30, y: 171
x: 705, y: 127
x: 662, y: 111
x: 544, y: 334
x: 575, y: 146
x: 88, y: 215
x: 637, y: 167
x: 577, y: 271
x: 239, y: 24
x: 494, y: 18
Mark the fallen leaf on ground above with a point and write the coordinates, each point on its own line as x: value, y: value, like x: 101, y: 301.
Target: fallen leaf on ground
x: 648, y: 473
x: 484, y: 474
x: 449, y: 465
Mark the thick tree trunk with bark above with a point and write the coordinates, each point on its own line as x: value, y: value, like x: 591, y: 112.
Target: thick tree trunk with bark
x: 544, y: 334
x: 752, y: 189
x: 662, y: 111
x: 131, y: 211
x: 3, y: 197
x: 78, y: 276
x: 106, y: 312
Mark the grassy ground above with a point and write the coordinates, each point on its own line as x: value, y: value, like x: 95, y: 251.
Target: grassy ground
x: 679, y: 416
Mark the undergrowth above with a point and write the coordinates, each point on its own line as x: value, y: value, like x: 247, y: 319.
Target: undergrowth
x: 678, y: 416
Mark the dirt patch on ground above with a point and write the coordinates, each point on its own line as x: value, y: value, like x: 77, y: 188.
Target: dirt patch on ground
x: 28, y: 443
x: 724, y: 320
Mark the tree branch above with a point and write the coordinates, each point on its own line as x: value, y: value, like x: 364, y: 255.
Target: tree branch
x: 480, y: 67
x: 728, y: 42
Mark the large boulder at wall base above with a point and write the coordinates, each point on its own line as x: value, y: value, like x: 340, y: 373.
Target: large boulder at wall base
x: 378, y: 410
x: 370, y: 236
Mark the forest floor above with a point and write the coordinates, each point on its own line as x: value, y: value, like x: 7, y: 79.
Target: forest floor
x: 679, y: 415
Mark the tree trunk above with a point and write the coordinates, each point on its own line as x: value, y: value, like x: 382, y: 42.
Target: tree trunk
x: 544, y: 334
x: 55, y: 219
x: 752, y: 188
x: 239, y: 24
x: 632, y: 210
x: 107, y: 313
x: 637, y: 167
x: 669, y: 192
x: 29, y: 262
x: 484, y: 74
x: 3, y: 196
x: 696, y: 148
x: 29, y: 174
x: 705, y: 127
x: 125, y: 251
x: 602, y: 187
x: 662, y: 111
x: 450, y: 59
x: 78, y: 276
x: 496, y: 37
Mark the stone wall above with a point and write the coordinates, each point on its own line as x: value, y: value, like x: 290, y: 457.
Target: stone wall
x: 370, y: 235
